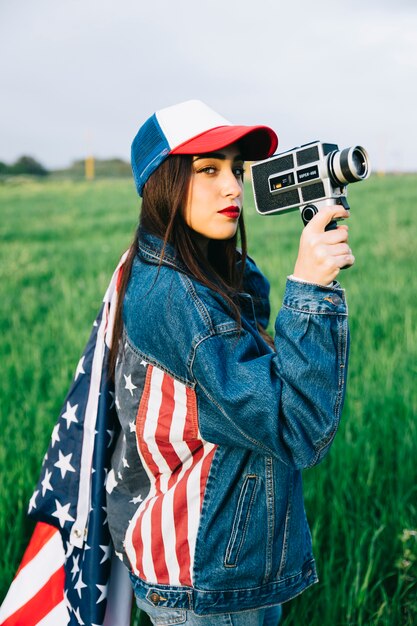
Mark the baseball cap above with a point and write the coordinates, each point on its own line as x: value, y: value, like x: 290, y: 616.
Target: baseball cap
x: 192, y: 127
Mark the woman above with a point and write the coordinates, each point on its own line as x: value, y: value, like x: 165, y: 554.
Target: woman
x: 217, y: 419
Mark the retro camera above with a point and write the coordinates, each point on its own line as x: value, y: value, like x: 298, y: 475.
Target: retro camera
x: 309, y: 177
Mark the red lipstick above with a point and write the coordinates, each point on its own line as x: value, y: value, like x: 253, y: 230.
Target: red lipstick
x: 231, y: 211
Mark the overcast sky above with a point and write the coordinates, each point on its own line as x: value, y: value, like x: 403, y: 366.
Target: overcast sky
x: 80, y: 76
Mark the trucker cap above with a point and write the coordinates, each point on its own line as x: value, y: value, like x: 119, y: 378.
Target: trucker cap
x: 192, y: 127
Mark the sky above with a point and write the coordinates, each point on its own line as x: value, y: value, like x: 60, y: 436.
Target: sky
x: 80, y: 76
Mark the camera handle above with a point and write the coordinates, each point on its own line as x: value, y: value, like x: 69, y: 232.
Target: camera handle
x: 310, y: 210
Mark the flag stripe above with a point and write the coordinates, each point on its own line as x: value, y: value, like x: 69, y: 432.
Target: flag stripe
x: 162, y: 535
x: 34, y: 576
x: 42, y: 534
x: 41, y: 603
x: 56, y: 617
x: 90, y: 418
x: 36, y: 595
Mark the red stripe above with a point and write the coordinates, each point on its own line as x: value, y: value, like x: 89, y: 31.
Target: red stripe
x: 164, y: 424
x: 191, y: 424
x: 137, y: 541
x: 182, y: 547
x: 41, y: 535
x: 140, y: 424
x: 157, y: 544
x: 119, y: 277
x: 51, y: 594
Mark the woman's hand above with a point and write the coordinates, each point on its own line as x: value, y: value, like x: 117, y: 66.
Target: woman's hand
x: 322, y: 254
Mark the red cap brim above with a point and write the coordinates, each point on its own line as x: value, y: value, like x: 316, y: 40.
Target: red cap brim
x: 255, y: 142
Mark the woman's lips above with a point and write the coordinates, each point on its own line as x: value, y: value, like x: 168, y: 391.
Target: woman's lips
x: 231, y: 211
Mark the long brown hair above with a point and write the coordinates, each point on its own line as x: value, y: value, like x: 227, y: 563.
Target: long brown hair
x: 164, y: 199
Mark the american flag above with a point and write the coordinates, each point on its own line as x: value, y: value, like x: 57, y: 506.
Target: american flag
x: 68, y: 575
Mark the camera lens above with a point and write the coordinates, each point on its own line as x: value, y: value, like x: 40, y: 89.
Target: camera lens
x: 359, y: 163
x: 349, y: 165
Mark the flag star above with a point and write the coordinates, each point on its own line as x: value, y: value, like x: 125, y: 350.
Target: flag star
x: 55, y: 435
x: 125, y: 463
x: 75, y: 567
x: 62, y: 513
x: 32, y: 503
x: 129, y: 385
x: 119, y: 555
x: 69, y: 414
x: 105, y: 519
x: 137, y: 499
x: 132, y: 427
x: 112, y: 394
x: 67, y: 602
x: 79, y: 585
x: 111, y: 435
x: 69, y: 551
x: 119, y: 475
x: 103, y: 592
x: 78, y: 616
x: 144, y: 363
x: 107, y: 553
x: 117, y: 403
x: 46, y: 483
x: 64, y: 464
x: 80, y: 368
x: 111, y: 481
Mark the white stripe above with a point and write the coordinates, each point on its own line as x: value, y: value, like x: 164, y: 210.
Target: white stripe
x: 111, y: 296
x: 176, y: 433
x: 193, y: 503
x: 146, y: 528
x: 59, y: 616
x: 128, y: 541
x: 151, y: 425
x: 186, y: 120
x: 77, y: 536
x: 77, y: 532
x: 168, y: 537
x: 33, y: 576
x: 176, y: 438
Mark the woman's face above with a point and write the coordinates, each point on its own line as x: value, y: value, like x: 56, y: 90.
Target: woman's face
x: 215, y: 195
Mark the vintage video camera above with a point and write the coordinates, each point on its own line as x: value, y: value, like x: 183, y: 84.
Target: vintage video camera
x: 309, y: 177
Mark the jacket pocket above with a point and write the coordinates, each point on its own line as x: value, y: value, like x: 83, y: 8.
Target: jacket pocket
x: 241, y: 520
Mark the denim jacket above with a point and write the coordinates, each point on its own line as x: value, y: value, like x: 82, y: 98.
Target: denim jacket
x: 205, y: 496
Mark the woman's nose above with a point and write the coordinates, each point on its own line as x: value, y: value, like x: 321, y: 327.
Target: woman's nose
x: 231, y: 185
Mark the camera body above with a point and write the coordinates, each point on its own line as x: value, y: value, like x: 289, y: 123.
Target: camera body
x: 309, y: 177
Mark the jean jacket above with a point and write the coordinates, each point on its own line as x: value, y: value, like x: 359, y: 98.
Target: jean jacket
x: 204, y: 495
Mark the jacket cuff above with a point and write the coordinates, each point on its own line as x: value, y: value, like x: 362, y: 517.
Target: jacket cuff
x: 311, y: 298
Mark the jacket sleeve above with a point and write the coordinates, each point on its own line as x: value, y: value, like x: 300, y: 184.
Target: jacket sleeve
x: 285, y: 404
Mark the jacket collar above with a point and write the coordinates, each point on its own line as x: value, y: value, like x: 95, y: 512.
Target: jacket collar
x: 151, y: 249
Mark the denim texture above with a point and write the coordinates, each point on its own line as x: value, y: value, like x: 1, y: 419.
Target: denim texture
x: 169, y: 617
x: 271, y: 415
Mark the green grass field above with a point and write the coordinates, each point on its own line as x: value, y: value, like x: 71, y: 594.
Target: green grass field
x: 59, y: 244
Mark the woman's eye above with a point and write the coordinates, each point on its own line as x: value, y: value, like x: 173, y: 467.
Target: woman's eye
x: 239, y: 172
x: 208, y: 169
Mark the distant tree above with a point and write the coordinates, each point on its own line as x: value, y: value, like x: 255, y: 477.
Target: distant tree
x: 27, y: 165
x: 3, y: 168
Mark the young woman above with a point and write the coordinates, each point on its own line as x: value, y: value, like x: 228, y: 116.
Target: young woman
x: 217, y: 420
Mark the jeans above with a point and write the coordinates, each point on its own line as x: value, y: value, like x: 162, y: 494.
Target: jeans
x: 169, y: 617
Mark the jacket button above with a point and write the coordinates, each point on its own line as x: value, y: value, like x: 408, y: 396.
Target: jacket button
x: 155, y: 598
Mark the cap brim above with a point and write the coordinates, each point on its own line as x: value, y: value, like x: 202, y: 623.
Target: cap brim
x: 255, y: 142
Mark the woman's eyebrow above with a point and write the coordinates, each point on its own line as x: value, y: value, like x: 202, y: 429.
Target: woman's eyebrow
x: 217, y: 155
